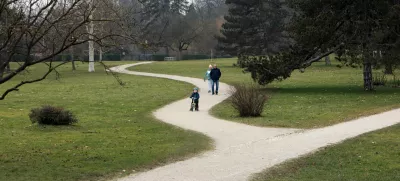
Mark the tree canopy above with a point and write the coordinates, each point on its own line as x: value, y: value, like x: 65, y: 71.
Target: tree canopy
x: 353, y: 29
x: 253, y: 27
x: 36, y: 32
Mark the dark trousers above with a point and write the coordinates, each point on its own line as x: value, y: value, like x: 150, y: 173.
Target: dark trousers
x: 216, y: 84
x: 196, y: 102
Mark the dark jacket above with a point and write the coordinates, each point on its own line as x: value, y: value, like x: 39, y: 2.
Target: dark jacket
x: 215, y: 74
x: 195, y: 95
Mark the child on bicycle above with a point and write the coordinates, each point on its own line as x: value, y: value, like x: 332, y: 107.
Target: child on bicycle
x: 195, y: 99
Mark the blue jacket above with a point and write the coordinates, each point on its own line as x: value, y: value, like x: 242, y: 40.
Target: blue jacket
x: 207, y: 76
x: 195, y: 95
x: 215, y: 74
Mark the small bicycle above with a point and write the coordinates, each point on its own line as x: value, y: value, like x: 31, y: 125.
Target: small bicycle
x: 192, y: 105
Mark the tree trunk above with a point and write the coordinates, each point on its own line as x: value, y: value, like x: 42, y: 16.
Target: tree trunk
x: 212, y: 55
x: 63, y: 58
x: 73, y: 65
x: 100, y: 54
x: 368, y: 86
x: 167, y: 51
x: 8, y: 69
x: 4, y: 69
x: 180, y: 55
x: 72, y: 58
x: 91, y: 55
x: 1, y: 72
x: 328, y: 60
x: 91, y: 43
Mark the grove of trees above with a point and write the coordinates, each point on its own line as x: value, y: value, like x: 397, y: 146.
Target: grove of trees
x: 36, y: 31
x: 39, y: 31
x: 304, y: 31
x: 178, y: 25
x: 271, y: 38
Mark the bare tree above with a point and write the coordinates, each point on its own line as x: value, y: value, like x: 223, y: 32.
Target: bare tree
x: 103, y: 11
x: 328, y: 60
x: 212, y: 14
x: 90, y: 31
x: 37, y: 31
x: 71, y: 50
x: 184, y: 30
x: 171, y: 27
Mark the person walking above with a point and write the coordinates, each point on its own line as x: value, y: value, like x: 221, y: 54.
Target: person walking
x: 215, y: 75
x: 208, y: 78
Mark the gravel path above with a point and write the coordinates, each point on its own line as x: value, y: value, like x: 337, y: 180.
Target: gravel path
x: 242, y: 150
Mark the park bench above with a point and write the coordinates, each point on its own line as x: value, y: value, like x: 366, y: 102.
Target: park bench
x: 169, y: 58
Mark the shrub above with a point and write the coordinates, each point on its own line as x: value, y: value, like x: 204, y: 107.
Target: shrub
x: 395, y: 81
x: 248, y: 100
x: 379, y: 80
x: 158, y: 57
x: 241, y: 62
x: 195, y: 57
x: 49, y: 115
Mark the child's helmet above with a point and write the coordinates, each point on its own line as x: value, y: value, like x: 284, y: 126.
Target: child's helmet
x: 195, y: 88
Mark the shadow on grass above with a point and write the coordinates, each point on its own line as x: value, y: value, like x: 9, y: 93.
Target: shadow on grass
x: 58, y: 128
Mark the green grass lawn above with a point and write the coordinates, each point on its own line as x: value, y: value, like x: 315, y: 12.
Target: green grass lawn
x: 116, y: 133
x: 373, y: 157
x: 323, y: 95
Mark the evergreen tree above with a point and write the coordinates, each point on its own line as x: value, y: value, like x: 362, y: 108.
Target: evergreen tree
x: 252, y: 27
x: 354, y: 29
x: 387, y: 41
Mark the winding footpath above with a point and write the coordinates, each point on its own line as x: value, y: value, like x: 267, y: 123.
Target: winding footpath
x: 242, y: 150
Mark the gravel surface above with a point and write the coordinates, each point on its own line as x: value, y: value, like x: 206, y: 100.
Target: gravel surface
x: 241, y: 150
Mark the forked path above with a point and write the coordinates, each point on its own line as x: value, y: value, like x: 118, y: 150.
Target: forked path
x: 242, y: 150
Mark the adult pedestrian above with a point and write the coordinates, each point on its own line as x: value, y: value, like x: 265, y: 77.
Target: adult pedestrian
x: 215, y: 74
x: 208, y: 78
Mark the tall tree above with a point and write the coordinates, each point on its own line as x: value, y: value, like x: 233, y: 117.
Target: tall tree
x: 72, y: 54
x: 184, y: 30
x: 387, y: 41
x: 159, y: 18
x: 347, y: 27
x: 253, y: 27
x: 103, y: 10
x: 211, y: 12
x: 8, y: 16
x: 90, y: 31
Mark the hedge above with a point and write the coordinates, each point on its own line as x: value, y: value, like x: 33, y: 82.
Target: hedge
x: 195, y: 57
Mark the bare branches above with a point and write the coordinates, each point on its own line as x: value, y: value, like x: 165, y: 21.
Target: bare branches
x: 115, y: 75
x: 317, y: 58
x: 36, y: 31
x: 15, y: 88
